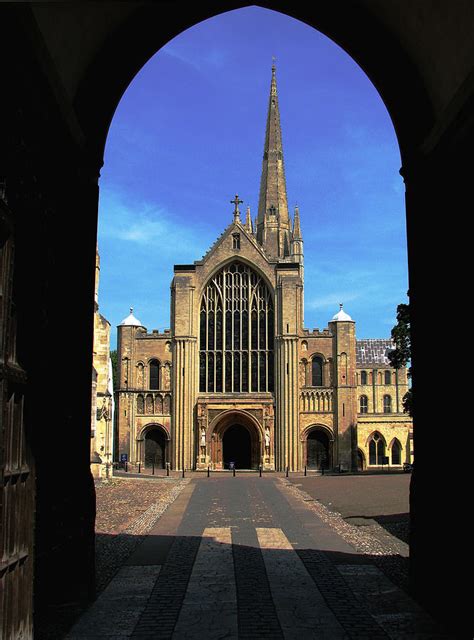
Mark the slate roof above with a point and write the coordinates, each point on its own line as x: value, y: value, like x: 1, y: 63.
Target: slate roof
x: 373, y: 351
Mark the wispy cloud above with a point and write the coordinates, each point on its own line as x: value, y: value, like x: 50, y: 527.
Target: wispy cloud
x: 213, y: 57
x: 332, y: 300
x: 146, y: 225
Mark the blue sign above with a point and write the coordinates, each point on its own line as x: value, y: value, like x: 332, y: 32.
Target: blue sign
x: 123, y: 457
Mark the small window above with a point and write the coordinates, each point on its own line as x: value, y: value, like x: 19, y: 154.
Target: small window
x: 236, y: 241
x: 387, y: 404
x: 317, y: 372
x: 364, y: 404
x: 154, y: 374
x: 363, y: 377
x: 388, y: 377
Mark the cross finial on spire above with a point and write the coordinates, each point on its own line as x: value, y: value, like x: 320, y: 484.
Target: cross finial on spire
x: 236, y: 203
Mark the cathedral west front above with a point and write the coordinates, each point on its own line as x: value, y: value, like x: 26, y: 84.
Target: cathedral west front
x: 238, y: 378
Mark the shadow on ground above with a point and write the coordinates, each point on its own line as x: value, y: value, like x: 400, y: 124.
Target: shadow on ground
x: 354, y: 587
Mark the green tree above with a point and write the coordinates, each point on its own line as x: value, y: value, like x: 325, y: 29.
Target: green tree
x: 113, y: 357
x: 401, y: 355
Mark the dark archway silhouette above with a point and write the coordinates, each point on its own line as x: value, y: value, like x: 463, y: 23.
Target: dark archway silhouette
x: 155, y: 441
x: 318, y: 450
x: 237, y: 447
x: 62, y: 94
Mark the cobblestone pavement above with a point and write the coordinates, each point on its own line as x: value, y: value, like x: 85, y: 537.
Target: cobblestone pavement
x: 126, y: 509
x: 370, y: 511
x: 249, y: 558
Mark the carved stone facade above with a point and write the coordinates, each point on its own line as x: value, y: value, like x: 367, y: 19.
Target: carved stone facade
x: 238, y: 380
x: 102, y: 392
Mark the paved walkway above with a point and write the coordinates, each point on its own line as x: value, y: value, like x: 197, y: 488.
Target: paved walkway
x: 246, y: 557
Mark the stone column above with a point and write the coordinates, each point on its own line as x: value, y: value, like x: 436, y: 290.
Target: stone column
x: 287, y: 423
x: 288, y: 322
x: 185, y: 368
x: 184, y: 393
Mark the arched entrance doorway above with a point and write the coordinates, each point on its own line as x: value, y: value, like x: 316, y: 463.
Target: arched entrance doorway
x: 236, y: 438
x: 237, y: 447
x: 318, y: 450
x: 155, y: 447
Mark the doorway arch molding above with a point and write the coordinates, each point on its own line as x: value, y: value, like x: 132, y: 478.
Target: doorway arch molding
x: 149, y: 427
x: 233, y: 416
x: 318, y: 427
x: 225, y: 421
x: 359, y: 32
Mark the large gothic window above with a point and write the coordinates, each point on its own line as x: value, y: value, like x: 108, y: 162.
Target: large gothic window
x: 236, y: 332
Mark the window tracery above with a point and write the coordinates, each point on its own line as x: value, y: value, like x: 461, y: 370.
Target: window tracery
x: 376, y: 449
x: 236, y: 332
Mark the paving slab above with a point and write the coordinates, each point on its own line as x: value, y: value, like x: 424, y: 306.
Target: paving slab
x: 248, y: 558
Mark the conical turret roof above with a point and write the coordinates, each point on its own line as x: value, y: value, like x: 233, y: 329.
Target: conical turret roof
x: 130, y: 320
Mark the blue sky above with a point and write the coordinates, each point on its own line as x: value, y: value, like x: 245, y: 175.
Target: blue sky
x: 188, y: 134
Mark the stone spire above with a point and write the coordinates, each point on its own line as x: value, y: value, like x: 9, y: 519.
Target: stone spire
x: 273, y: 221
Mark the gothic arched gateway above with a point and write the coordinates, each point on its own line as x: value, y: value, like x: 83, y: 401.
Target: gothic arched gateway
x: 318, y: 449
x: 154, y: 449
x: 236, y: 438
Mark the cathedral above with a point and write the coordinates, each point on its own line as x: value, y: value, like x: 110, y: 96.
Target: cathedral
x: 238, y: 381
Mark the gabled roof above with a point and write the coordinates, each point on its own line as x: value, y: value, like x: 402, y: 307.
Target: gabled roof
x: 233, y: 227
x: 373, y: 351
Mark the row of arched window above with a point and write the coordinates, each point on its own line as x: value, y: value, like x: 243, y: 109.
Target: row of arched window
x: 153, y: 404
x: 378, y: 451
x: 385, y: 377
x: 364, y: 404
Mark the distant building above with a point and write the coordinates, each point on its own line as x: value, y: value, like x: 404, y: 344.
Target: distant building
x: 102, y: 392
x: 238, y: 379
